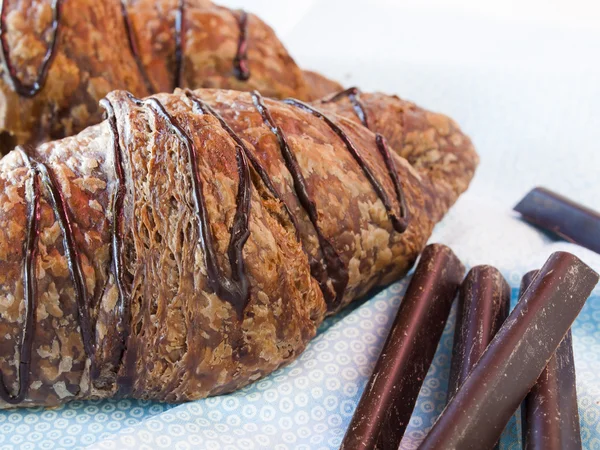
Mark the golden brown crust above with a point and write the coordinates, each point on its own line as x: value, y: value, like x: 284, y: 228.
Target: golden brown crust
x: 431, y: 142
x: 92, y: 56
x: 186, y: 342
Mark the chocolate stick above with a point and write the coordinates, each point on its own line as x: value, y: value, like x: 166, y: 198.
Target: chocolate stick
x: 550, y: 415
x: 475, y: 417
x: 390, y: 395
x: 483, y: 304
x: 561, y: 216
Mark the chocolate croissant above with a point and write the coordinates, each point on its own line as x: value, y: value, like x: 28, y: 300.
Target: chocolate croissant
x: 60, y: 57
x: 193, y: 242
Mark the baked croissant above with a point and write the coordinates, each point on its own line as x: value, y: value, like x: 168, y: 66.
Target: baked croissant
x: 60, y: 57
x: 193, y: 242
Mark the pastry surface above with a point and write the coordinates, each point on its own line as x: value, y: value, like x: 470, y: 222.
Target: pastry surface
x: 193, y: 242
x: 60, y: 57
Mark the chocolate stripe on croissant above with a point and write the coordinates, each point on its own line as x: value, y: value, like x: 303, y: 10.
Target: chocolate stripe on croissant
x: 240, y: 62
x: 392, y: 171
x: 116, y: 234
x: 65, y: 223
x: 399, y: 223
x: 134, y: 48
x: 336, y: 271
x: 353, y: 94
x: 178, y: 44
x: 318, y: 269
x: 235, y: 290
x: 29, y: 90
x: 204, y: 108
x: 33, y: 216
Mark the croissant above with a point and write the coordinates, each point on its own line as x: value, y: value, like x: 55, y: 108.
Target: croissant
x: 60, y: 57
x: 193, y: 242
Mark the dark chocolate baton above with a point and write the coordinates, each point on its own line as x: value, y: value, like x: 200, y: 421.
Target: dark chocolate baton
x: 550, y: 415
x: 475, y: 417
x: 561, y: 216
x: 390, y: 395
x: 483, y: 304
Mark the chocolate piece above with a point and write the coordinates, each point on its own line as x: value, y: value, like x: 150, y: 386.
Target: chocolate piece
x: 389, y: 398
x: 561, y: 216
x: 483, y: 305
x: 550, y: 415
x: 475, y: 417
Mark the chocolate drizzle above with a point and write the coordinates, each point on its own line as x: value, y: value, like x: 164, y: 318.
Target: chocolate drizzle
x: 202, y: 107
x: 353, y: 94
x: 334, y: 266
x: 63, y: 217
x: 29, y: 292
x: 236, y: 288
x: 399, y: 224
x: 134, y: 49
x: 29, y: 90
x: 116, y: 232
x: 178, y: 44
x: 240, y: 61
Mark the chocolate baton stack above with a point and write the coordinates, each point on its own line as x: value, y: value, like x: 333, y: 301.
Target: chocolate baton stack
x: 390, y: 395
x: 483, y: 305
x: 475, y: 417
x: 550, y: 415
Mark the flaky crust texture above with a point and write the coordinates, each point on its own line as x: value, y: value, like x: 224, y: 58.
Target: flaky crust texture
x: 92, y: 56
x: 186, y: 342
x: 431, y: 142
